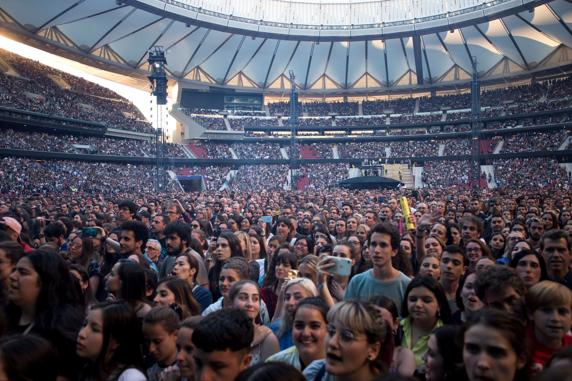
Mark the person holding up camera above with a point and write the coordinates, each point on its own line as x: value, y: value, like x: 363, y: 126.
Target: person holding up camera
x: 334, y: 272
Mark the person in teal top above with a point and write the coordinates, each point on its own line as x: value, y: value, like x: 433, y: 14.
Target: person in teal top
x: 424, y: 309
x: 383, y: 279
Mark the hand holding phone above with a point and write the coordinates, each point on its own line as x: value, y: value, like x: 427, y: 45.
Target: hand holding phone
x: 335, y: 265
x: 292, y: 274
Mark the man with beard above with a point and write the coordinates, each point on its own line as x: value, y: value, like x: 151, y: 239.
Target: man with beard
x: 158, y: 224
x: 178, y: 240
x: 217, y: 206
x: 496, y: 224
x: 535, y: 231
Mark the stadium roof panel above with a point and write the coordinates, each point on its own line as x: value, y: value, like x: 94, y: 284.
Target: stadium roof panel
x: 505, y: 38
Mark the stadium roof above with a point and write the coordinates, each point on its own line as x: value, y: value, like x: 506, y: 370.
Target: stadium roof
x: 331, y: 46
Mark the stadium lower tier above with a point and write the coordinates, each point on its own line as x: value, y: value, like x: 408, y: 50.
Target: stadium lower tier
x: 22, y: 176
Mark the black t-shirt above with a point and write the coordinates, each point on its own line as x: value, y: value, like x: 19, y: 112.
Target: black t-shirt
x: 68, y: 321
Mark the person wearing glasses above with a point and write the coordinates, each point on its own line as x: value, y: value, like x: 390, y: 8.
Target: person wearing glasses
x: 355, y: 344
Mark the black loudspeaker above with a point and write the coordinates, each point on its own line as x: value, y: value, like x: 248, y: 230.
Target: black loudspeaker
x: 191, y: 183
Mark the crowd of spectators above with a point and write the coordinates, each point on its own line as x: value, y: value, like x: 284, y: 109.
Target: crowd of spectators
x: 528, y: 173
x: 315, y: 108
x: 478, y: 289
x: 239, y: 124
x: 36, y: 141
x: 42, y: 89
x: 251, y: 150
x: 208, y: 122
x: 27, y: 176
x: 322, y: 150
x: 415, y: 118
x: 361, y: 121
x: 30, y: 176
x: 257, y: 150
x: 538, y: 96
x: 362, y: 150
x: 444, y: 102
x: 281, y: 108
x: 386, y: 149
x: 445, y: 174
x: 457, y: 147
x: 534, y: 141
x: 415, y: 148
x: 324, y: 176
x: 315, y: 122
x: 396, y: 106
x: 217, y: 150
x: 260, y: 177
x: 482, y: 279
x: 455, y: 116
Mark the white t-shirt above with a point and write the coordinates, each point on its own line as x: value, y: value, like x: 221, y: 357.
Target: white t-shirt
x: 132, y: 374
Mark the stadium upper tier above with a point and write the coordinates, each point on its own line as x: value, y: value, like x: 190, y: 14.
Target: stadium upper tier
x: 450, y: 113
x: 333, y: 48
x: 31, y: 86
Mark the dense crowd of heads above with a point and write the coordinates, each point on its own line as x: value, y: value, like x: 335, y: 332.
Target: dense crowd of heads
x: 238, y: 124
x: 208, y: 122
x: 323, y: 176
x: 257, y: 151
x: 27, y: 176
x: 535, y: 141
x: 539, y: 96
x: 103, y: 278
x: 259, y: 177
x: 36, y: 141
x: 261, y: 284
x: 530, y: 173
x: 39, y: 88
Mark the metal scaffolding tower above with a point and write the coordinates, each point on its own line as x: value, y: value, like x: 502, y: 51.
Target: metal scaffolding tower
x: 158, y: 81
x: 475, y: 127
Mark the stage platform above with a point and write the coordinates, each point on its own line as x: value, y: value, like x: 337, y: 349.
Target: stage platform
x: 370, y: 182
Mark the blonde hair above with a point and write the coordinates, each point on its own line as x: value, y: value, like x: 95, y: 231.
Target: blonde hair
x: 362, y: 317
x: 244, y: 239
x: 310, y: 289
x: 548, y: 293
x: 305, y: 283
x: 363, y: 226
x: 311, y: 261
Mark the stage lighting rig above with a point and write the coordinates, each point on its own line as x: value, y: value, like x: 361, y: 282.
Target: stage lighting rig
x: 158, y: 77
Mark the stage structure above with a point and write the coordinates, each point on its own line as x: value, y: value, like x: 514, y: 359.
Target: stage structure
x: 158, y: 81
x: 370, y: 182
x: 293, y: 124
x: 373, y: 167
